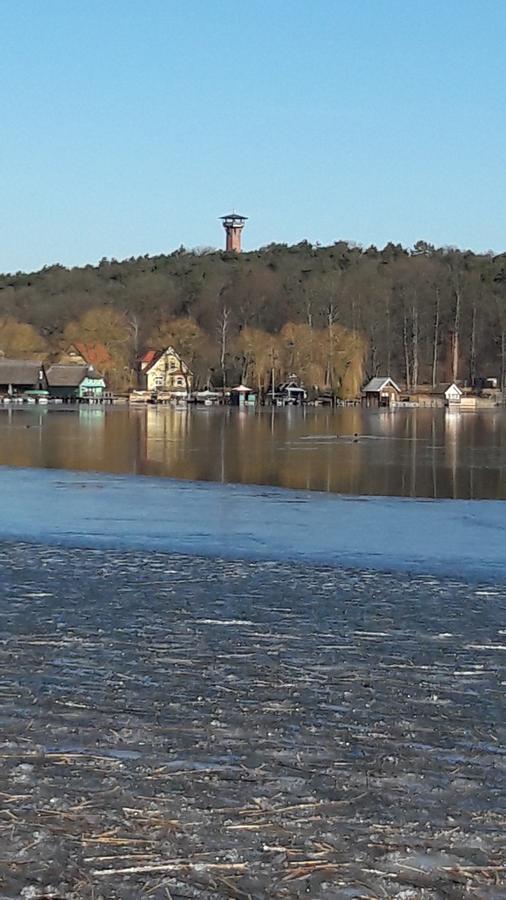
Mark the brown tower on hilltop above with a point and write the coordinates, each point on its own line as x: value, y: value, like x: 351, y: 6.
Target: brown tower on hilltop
x: 233, y: 225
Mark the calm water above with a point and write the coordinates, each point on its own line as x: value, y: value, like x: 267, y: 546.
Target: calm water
x: 424, y: 453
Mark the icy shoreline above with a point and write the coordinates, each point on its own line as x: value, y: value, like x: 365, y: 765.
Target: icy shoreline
x: 458, y: 538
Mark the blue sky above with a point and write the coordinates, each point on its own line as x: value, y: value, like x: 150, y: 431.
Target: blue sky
x: 130, y: 126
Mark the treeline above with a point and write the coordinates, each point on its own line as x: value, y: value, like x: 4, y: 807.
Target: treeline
x: 332, y: 315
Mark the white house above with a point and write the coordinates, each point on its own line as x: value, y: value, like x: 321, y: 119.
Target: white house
x: 164, y: 371
x: 452, y: 394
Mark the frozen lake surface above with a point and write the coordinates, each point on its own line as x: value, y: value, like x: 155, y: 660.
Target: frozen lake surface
x: 180, y: 727
x: 212, y: 690
x: 453, y: 537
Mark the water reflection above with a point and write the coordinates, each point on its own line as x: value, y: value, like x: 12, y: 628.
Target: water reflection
x: 414, y: 453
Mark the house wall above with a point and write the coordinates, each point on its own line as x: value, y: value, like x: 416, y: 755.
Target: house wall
x: 391, y: 392
x: 63, y: 392
x: 428, y: 400
x: 167, y: 374
x: 371, y: 400
x: 19, y: 388
x: 384, y: 398
x: 94, y: 386
x: 453, y: 395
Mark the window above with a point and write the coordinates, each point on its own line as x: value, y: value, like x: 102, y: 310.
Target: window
x: 180, y: 382
x: 159, y: 381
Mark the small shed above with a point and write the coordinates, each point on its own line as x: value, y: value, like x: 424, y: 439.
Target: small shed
x: 75, y: 383
x: 242, y: 396
x: 452, y: 394
x: 381, y: 392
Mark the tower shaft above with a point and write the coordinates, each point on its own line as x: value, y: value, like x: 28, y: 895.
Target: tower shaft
x: 233, y: 225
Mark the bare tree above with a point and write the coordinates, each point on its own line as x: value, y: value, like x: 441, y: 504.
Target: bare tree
x: 435, y: 338
x: 405, y: 344
x: 414, y: 340
x: 223, y: 328
x: 133, y: 321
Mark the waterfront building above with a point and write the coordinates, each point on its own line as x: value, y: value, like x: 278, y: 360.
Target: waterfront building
x: 164, y: 371
x: 452, y: 394
x: 290, y: 393
x: 19, y: 376
x: 446, y: 394
x: 75, y: 383
x: 242, y: 396
x: 381, y: 391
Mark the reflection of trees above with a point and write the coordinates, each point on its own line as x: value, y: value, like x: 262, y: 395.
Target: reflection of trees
x: 410, y: 452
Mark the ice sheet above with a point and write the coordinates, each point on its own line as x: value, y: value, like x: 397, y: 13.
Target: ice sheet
x: 460, y: 538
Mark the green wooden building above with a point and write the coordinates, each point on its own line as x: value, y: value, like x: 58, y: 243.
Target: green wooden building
x: 75, y: 383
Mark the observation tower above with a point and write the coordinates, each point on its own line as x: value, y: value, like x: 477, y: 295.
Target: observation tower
x: 233, y: 224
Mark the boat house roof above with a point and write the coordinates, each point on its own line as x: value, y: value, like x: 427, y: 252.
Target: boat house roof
x: 19, y: 371
x: 376, y: 385
x: 70, y: 376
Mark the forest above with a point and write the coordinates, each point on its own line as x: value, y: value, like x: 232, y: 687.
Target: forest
x: 334, y: 315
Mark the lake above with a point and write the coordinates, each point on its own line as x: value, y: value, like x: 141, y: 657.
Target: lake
x: 414, y: 453
x: 205, y: 651
x: 410, y: 453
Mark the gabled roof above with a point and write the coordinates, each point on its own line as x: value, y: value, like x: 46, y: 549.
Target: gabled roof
x: 69, y: 376
x: 19, y: 371
x: 156, y: 355
x: 438, y: 390
x: 291, y: 386
x: 444, y: 388
x: 379, y: 384
x: 96, y: 355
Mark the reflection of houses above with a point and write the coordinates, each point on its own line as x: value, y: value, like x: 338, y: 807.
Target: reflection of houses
x: 18, y: 376
x: 74, y: 382
x: 164, y: 370
x: 162, y: 439
x: 381, y: 392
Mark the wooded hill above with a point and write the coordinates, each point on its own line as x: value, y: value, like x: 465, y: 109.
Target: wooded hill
x: 333, y: 315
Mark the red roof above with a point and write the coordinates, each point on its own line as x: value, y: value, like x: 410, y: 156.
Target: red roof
x: 149, y: 356
x: 96, y: 355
